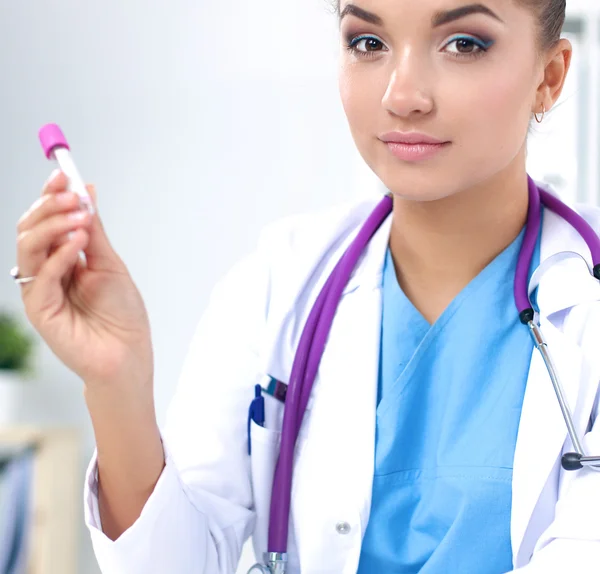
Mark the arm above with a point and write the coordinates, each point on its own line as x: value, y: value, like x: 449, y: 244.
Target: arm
x: 130, y: 454
x: 200, y: 510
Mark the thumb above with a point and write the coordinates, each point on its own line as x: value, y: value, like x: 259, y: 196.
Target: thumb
x: 98, y: 252
x: 91, y: 189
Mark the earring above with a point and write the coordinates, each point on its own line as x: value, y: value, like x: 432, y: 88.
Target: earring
x: 543, y: 112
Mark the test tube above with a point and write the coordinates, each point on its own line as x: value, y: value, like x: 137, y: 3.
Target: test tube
x: 56, y: 148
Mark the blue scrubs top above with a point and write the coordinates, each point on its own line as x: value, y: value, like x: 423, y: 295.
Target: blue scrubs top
x: 450, y: 398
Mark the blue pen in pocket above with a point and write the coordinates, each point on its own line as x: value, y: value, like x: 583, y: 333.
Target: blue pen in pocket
x: 256, y: 412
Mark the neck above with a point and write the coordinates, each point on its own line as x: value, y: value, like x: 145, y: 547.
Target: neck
x: 438, y: 247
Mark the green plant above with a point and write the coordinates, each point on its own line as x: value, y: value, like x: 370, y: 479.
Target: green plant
x: 16, y: 345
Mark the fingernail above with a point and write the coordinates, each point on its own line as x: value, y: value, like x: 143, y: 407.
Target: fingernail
x: 94, y: 197
x: 77, y: 215
x: 87, y: 203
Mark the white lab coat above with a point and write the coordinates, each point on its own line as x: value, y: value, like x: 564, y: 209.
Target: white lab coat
x: 212, y: 496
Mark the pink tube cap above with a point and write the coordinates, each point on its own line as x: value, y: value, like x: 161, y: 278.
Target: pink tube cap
x: 51, y: 136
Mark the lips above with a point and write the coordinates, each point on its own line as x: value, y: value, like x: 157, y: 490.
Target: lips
x: 410, y: 138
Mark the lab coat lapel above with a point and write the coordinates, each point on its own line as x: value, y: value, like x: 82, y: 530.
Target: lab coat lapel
x: 567, y: 281
x: 542, y: 431
x: 342, y: 419
x: 341, y: 422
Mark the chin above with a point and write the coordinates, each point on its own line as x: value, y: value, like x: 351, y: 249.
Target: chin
x: 417, y: 182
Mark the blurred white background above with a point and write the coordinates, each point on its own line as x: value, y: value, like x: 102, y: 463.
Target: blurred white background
x: 199, y: 122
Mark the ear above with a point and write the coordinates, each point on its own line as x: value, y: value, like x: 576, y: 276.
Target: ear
x: 557, y: 62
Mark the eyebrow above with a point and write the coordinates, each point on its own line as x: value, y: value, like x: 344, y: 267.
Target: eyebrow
x: 438, y: 19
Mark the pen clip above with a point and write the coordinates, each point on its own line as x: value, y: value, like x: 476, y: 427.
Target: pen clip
x: 256, y: 413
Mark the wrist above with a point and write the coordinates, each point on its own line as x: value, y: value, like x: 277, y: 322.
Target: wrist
x: 124, y: 413
x: 134, y: 392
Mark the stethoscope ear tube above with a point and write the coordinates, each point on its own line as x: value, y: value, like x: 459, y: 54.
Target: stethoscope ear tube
x: 540, y: 343
x: 578, y: 459
x: 570, y: 460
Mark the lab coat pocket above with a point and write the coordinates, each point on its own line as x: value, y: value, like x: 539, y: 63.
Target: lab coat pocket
x: 265, y: 451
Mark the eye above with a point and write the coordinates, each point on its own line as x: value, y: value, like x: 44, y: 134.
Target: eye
x: 469, y: 47
x: 371, y: 46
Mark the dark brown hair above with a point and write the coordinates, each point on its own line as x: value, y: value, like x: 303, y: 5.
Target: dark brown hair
x: 550, y: 15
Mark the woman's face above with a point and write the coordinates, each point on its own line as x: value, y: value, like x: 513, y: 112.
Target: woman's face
x: 470, y: 81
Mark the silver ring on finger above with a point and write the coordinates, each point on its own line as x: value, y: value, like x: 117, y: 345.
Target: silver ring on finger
x: 14, y: 272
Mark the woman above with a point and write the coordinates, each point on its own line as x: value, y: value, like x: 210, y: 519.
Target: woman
x: 432, y: 437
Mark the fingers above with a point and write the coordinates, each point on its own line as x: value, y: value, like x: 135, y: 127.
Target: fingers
x: 55, y: 200
x: 47, y: 206
x: 34, y: 244
x: 63, y: 259
x: 47, y: 292
x: 56, y: 182
x: 51, y: 227
x: 49, y: 214
x: 99, y: 251
x: 91, y: 189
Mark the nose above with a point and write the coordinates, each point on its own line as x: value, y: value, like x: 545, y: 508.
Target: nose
x: 407, y: 92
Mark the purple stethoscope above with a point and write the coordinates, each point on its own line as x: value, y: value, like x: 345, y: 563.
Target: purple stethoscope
x: 312, y: 344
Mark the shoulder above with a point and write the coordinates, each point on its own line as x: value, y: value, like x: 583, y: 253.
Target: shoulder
x: 311, y: 236
x: 589, y: 212
x: 289, y: 257
x: 297, y: 253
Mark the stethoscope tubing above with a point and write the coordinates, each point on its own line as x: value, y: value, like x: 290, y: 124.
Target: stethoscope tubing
x: 304, y: 369
x: 316, y: 330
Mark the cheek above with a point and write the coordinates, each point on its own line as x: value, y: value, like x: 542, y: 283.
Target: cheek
x: 360, y: 102
x: 495, y: 117
x: 346, y: 90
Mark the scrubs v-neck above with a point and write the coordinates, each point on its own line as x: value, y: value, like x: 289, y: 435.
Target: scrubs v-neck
x: 449, y: 404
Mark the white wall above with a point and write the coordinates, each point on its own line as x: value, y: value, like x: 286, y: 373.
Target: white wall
x: 198, y: 122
